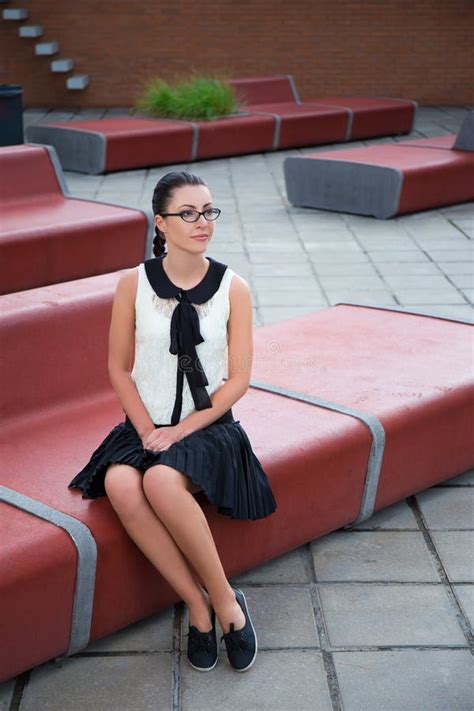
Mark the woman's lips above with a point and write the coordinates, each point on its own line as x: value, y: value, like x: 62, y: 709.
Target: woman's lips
x: 201, y: 238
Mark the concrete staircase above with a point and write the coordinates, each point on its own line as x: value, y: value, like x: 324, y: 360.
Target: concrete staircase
x: 62, y: 65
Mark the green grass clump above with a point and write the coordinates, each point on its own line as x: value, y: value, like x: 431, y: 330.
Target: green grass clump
x: 197, y: 98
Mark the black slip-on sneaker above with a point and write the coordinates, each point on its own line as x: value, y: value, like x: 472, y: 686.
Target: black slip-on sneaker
x: 202, y: 647
x: 241, y: 644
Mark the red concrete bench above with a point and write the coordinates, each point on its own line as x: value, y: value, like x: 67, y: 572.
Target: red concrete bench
x: 363, y: 407
x: 272, y: 117
x: 328, y: 120
x: 386, y: 180
x: 47, y: 237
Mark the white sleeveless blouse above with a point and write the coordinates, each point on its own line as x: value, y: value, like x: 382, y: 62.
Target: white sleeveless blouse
x: 154, y: 369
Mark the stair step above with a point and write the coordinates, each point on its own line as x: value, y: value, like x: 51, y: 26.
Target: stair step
x: 46, y: 48
x: 30, y: 30
x: 77, y: 81
x: 15, y: 13
x: 62, y: 65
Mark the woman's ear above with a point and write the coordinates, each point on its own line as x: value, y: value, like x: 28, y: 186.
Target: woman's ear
x: 160, y: 223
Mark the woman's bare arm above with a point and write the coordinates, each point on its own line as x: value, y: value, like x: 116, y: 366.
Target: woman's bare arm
x: 121, y: 348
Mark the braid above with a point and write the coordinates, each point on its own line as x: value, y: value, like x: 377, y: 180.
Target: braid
x: 159, y: 243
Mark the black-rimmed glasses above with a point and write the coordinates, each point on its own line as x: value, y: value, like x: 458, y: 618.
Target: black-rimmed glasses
x: 210, y: 214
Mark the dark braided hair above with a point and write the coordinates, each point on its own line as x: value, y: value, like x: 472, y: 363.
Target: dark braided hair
x: 161, y: 196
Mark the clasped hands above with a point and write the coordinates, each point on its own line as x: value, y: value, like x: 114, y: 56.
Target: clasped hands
x: 160, y: 439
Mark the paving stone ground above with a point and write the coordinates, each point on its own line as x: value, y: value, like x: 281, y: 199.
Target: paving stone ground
x: 377, y: 617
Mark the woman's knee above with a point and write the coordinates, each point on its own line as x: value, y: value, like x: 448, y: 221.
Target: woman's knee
x: 124, y: 487
x: 162, y: 481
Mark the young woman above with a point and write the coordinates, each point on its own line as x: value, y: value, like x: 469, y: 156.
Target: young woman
x: 186, y: 320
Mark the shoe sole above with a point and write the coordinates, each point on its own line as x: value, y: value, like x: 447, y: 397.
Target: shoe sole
x: 203, y: 669
x: 253, y: 629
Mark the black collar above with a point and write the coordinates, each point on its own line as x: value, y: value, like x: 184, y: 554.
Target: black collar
x: 200, y: 293
x: 184, y: 328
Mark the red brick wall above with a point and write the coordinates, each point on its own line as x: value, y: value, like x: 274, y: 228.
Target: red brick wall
x: 419, y: 49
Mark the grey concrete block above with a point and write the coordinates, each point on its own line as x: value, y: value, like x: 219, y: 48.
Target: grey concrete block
x: 141, y: 683
x: 465, y: 596
x: 343, y: 185
x: 81, y: 151
x: 46, y: 48
x: 373, y: 555
x: 456, y: 550
x: 62, y: 65
x: 465, y: 138
x: 278, y: 681
x: 6, y: 693
x: 412, y: 680
x: 30, y: 31
x: 444, y: 508
x: 359, y: 614
x: 15, y: 14
x: 77, y: 82
x: 287, y: 568
x: 153, y: 634
x: 398, y: 515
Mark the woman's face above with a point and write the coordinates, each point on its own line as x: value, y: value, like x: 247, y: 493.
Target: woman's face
x: 192, y: 236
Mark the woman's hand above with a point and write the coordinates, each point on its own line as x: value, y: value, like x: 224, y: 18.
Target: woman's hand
x: 161, y: 438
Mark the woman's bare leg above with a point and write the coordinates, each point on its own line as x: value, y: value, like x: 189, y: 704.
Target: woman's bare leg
x: 166, y: 490
x: 124, y: 487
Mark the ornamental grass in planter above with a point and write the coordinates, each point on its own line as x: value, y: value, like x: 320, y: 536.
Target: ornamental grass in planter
x: 199, y: 98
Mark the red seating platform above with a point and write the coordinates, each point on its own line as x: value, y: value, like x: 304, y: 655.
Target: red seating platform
x: 47, y: 237
x: 364, y: 406
x: 328, y: 120
x: 386, y: 180
x: 272, y: 117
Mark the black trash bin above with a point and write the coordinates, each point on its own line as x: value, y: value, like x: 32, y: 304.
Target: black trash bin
x: 11, y: 114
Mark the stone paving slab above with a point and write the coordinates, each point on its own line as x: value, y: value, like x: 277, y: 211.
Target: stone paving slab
x: 373, y: 556
x: 456, y: 550
x: 153, y: 634
x: 465, y: 595
x: 381, y: 615
x: 447, y: 508
x: 437, y: 680
x: 397, y: 516
x: 279, y: 681
x: 141, y: 683
x: 287, y: 568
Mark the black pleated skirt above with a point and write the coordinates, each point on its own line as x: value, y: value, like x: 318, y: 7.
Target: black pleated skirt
x: 218, y: 458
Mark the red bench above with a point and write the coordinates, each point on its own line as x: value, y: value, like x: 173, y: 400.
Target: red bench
x: 386, y: 180
x: 272, y: 117
x: 338, y: 441
x: 327, y: 120
x: 47, y: 237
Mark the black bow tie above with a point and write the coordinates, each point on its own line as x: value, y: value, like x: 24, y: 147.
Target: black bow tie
x: 184, y: 329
